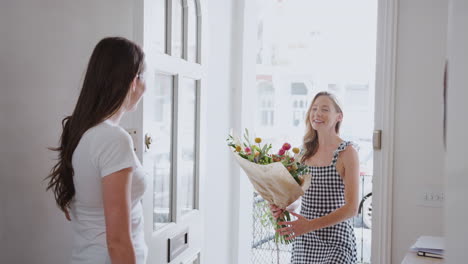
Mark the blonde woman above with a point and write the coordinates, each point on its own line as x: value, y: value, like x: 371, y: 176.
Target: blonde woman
x: 323, y: 233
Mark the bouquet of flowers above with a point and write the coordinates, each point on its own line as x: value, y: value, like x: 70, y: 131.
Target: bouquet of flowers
x: 279, y: 178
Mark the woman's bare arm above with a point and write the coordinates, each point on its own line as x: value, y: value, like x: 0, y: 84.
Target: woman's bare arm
x: 117, y: 209
x: 350, y: 161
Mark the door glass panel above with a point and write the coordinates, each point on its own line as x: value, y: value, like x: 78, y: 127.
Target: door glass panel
x: 192, y: 49
x: 177, y: 28
x: 187, y: 135
x: 160, y: 25
x: 163, y: 150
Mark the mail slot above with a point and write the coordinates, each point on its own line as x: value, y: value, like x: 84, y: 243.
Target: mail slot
x: 176, y: 245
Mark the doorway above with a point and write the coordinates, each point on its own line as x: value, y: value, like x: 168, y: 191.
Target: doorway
x: 304, y: 47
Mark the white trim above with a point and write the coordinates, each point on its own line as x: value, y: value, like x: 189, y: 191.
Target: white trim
x: 236, y: 117
x: 243, y: 79
x: 203, y: 38
x: 384, y: 120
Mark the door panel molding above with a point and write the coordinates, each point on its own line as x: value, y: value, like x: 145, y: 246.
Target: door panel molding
x: 161, y: 62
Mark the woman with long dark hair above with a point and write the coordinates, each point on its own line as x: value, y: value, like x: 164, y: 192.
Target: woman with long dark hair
x: 98, y: 181
x: 322, y: 230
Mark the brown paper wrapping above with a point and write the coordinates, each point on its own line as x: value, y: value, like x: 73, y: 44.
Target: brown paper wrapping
x: 273, y: 181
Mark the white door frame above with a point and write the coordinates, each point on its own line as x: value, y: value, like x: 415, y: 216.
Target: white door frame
x: 384, y: 120
x: 382, y: 200
x: 243, y: 62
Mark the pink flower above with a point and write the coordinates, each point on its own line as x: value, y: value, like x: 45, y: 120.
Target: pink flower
x: 247, y: 150
x: 281, y: 152
x: 286, y: 146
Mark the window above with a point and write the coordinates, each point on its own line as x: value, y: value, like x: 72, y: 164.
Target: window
x: 299, y: 93
x: 187, y: 142
x: 160, y: 26
x: 193, y: 24
x: 163, y: 162
x: 266, y: 95
x: 298, y: 88
x: 177, y: 27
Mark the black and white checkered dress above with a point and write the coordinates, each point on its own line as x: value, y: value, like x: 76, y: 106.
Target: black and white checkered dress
x: 331, y: 245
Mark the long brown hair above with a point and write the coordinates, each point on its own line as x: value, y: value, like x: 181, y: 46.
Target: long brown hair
x: 310, y: 141
x: 112, y: 67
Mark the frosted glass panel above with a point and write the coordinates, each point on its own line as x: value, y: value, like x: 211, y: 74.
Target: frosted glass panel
x: 163, y: 151
x: 160, y: 25
x: 192, y: 42
x: 187, y: 136
x: 177, y: 28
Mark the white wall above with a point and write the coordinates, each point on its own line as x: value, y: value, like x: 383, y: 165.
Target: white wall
x: 219, y: 216
x: 44, y: 48
x: 419, y: 152
x: 456, y: 211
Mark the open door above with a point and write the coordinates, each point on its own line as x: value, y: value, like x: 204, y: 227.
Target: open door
x: 168, y: 127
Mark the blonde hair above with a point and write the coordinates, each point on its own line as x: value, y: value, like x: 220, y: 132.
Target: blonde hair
x: 310, y: 141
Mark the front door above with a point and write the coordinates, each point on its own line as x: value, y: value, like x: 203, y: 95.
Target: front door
x: 169, y: 121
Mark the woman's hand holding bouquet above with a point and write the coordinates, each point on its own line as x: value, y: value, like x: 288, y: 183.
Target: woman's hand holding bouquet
x: 279, y: 178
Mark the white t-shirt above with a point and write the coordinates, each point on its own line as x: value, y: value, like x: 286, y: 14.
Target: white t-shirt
x: 103, y: 150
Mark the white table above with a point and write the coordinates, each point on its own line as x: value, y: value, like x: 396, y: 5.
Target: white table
x: 413, y: 258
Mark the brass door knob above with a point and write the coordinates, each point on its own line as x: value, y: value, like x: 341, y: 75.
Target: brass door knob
x: 148, y: 140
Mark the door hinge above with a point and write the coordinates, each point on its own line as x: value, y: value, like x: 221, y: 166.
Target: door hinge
x: 133, y: 134
x: 377, y: 140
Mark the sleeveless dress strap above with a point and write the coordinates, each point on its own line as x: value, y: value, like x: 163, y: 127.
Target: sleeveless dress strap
x: 340, y: 148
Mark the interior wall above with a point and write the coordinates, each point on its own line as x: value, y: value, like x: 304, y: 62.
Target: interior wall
x: 419, y: 153
x: 44, y: 48
x: 456, y: 211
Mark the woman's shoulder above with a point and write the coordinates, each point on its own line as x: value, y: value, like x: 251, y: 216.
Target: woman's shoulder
x: 106, y: 132
x: 348, y: 150
x: 347, y: 145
